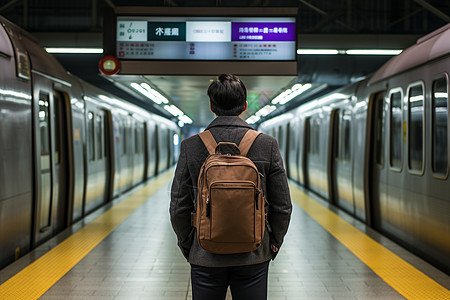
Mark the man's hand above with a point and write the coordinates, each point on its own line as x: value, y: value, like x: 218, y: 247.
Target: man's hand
x: 274, y: 248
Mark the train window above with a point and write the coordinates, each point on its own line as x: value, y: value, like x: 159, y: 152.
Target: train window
x: 105, y: 134
x: 44, y: 130
x: 91, y: 134
x: 415, y: 128
x: 396, y: 131
x: 124, y: 138
x: 379, y: 129
x: 137, y: 139
x: 99, y: 135
x: 440, y: 126
x: 335, y: 117
x: 280, y: 138
x: 57, y: 100
x: 292, y: 138
x: 344, y: 153
x: 314, y: 137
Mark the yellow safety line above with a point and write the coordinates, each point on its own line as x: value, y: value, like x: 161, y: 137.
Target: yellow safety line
x: 400, y: 275
x: 33, y: 281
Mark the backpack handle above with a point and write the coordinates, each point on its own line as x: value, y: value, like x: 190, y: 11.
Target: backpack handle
x: 227, y: 148
x: 245, y: 144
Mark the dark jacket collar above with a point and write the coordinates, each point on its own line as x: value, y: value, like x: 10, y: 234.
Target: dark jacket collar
x: 228, y: 121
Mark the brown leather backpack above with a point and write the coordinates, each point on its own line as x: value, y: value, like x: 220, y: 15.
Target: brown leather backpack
x: 230, y: 214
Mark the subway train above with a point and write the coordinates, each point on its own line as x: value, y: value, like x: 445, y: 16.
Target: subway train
x: 66, y: 147
x: 379, y: 148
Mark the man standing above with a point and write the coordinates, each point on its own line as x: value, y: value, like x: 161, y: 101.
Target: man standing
x: 245, y: 273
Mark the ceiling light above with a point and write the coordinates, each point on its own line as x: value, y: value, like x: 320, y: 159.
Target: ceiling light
x: 295, y: 92
x: 291, y: 93
x: 265, y: 110
x: 145, y: 92
x: 253, y: 119
x: 372, y: 52
x: 185, y: 119
x: 173, y: 110
x: 317, y: 51
x: 155, y: 93
x: 280, y: 118
x: 74, y: 50
x: 278, y: 98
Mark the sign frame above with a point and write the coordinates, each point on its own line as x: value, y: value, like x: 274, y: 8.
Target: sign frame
x: 197, y: 67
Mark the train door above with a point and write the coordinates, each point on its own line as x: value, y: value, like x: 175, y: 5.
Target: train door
x: 118, y: 152
x: 286, y: 150
x: 139, y: 154
x: 375, y: 173
x: 340, y: 166
x: 156, y: 140
x: 281, y: 144
x: 292, y: 154
x: 130, y: 138
x: 63, y: 167
x: 333, y: 152
x: 163, y: 156
x: 150, y: 141
x: 50, y: 156
x: 306, y: 150
x: 108, y: 144
x: 125, y: 155
x: 97, y: 190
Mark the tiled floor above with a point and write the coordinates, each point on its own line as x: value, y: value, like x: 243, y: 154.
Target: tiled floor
x: 140, y: 260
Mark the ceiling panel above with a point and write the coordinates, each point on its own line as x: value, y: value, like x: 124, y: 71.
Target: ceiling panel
x: 189, y: 93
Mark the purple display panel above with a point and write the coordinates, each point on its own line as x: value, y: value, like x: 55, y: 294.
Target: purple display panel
x: 248, y: 32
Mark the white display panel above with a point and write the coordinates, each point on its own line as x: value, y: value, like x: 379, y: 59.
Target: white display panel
x: 208, y: 31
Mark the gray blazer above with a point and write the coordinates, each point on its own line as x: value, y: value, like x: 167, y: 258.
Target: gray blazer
x: 266, y: 156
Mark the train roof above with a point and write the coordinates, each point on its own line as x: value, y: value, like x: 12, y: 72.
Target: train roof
x: 427, y: 48
x: 24, y: 42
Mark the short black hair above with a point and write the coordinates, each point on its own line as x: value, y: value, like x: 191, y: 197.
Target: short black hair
x: 227, y: 95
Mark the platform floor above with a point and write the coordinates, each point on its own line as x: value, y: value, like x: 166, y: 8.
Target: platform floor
x: 129, y: 252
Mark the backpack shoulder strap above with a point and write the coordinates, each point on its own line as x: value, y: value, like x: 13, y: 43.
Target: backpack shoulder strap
x: 247, y: 141
x: 209, y: 141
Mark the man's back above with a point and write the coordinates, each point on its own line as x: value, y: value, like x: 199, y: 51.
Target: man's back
x: 265, y: 155
x: 245, y: 273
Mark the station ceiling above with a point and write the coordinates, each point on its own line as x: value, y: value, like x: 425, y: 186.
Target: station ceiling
x: 322, y: 24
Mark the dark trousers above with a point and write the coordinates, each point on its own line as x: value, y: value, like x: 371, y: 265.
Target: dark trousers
x: 246, y: 282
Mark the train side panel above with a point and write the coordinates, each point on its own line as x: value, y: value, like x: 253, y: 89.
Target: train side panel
x: 16, y: 181
x: 64, y: 145
x: 416, y: 209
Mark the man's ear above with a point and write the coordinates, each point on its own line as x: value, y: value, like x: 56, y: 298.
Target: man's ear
x: 210, y: 107
x: 245, y: 107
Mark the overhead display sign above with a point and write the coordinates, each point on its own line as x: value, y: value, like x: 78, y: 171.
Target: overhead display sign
x: 206, y: 38
x: 202, y: 40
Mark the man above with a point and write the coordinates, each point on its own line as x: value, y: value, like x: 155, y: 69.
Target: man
x: 245, y: 273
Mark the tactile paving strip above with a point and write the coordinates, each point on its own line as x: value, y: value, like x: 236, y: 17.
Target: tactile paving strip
x: 400, y: 275
x: 38, y: 277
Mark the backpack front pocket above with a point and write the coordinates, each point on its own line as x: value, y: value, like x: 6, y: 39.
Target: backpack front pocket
x: 232, y: 211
